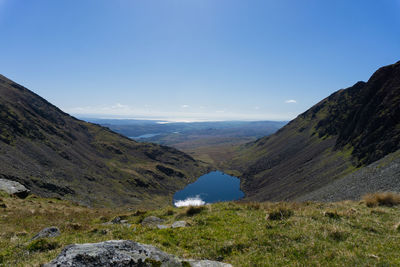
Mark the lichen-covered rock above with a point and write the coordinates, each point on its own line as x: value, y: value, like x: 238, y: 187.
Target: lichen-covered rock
x: 47, y: 232
x: 121, y: 253
x: 152, y: 221
x: 179, y: 224
x: 14, y: 188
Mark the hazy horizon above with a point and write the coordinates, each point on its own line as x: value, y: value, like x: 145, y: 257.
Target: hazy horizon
x: 165, y: 119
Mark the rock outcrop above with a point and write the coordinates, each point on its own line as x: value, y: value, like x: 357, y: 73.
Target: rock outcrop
x: 122, y: 253
x: 179, y: 224
x: 47, y: 232
x: 14, y: 188
x: 152, y: 221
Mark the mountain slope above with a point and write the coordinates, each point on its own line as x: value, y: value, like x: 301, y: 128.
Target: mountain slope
x: 379, y: 176
x: 349, y: 129
x: 54, y: 154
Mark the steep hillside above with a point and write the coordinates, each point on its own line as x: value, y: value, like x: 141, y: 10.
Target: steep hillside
x: 349, y: 129
x: 379, y: 176
x: 56, y: 155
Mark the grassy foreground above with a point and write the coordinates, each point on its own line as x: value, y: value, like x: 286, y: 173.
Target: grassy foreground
x: 243, y: 234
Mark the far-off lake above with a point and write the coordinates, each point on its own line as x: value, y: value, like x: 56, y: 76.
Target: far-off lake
x: 210, y: 188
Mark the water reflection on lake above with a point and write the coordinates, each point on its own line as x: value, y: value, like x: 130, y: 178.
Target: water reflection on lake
x: 213, y: 187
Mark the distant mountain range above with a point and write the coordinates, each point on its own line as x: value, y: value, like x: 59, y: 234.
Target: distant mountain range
x: 347, y: 131
x: 172, y: 132
x: 54, y: 154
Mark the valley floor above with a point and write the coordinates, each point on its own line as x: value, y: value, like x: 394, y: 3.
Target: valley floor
x: 243, y: 234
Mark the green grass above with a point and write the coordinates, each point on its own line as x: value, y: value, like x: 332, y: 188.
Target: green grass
x: 243, y: 234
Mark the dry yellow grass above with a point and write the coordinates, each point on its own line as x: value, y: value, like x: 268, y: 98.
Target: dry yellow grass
x: 388, y: 199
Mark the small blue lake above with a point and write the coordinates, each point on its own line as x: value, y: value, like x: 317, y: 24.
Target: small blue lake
x: 213, y: 187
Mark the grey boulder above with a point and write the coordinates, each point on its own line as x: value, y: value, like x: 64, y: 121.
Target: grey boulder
x: 47, y: 232
x: 179, y: 224
x: 14, y: 188
x: 152, y: 221
x: 118, y: 220
x: 121, y: 253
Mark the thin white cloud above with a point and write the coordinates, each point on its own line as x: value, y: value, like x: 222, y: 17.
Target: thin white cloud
x: 290, y: 101
x: 184, y: 106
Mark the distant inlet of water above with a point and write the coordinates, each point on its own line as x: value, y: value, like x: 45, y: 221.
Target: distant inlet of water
x: 213, y: 187
x: 144, y: 136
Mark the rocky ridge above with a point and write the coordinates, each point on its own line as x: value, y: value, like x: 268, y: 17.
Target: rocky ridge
x: 350, y: 129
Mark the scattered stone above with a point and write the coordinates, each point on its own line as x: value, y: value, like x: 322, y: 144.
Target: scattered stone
x: 207, y: 263
x: 14, y: 188
x: 116, y: 220
x: 179, y: 224
x: 122, y: 253
x: 103, y: 231
x: 47, y: 232
x: 373, y: 256
x: 161, y: 226
x: 152, y: 221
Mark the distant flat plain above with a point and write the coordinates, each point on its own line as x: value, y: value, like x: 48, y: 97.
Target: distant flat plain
x: 211, y: 142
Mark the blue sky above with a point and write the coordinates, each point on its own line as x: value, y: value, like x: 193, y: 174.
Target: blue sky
x: 195, y: 59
